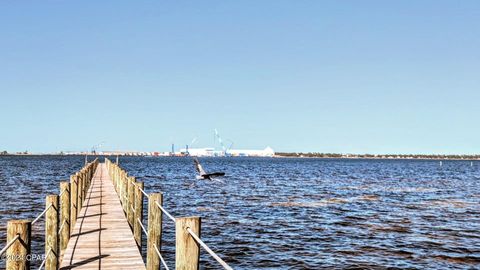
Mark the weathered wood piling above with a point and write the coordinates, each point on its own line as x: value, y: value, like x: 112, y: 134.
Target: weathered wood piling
x: 19, y: 238
x: 138, y: 216
x: 65, y: 214
x: 187, y: 253
x: 73, y: 200
x: 154, y: 236
x: 51, y: 233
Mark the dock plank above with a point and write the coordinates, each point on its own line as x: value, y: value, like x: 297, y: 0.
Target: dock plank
x: 102, y: 237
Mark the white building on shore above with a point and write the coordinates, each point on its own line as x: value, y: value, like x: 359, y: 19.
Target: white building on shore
x: 200, y: 152
x: 211, y: 152
x: 267, y: 152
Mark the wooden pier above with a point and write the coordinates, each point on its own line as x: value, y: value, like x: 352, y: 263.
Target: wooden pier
x: 96, y: 222
x: 101, y: 238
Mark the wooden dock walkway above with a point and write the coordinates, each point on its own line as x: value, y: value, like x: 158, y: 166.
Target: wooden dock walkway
x: 102, y: 238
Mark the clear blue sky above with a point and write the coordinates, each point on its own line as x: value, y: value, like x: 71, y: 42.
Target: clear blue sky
x: 326, y: 76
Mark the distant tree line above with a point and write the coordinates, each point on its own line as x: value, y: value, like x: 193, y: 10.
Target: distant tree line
x: 391, y: 156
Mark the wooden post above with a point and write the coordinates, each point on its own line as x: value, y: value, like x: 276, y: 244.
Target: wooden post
x: 51, y: 233
x: 83, y: 176
x: 122, y: 190
x: 114, y: 171
x: 85, y: 185
x: 65, y: 214
x: 137, y: 229
x: 131, y: 201
x: 187, y: 250
x: 91, y: 171
x: 117, y: 183
x: 79, y: 192
x: 89, y: 181
x: 81, y: 187
x: 117, y: 179
x: 73, y: 201
x: 127, y: 200
x: 114, y: 178
x: 154, y: 230
x: 17, y: 253
x: 94, y: 169
x: 114, y: 181
x: 124, y: 193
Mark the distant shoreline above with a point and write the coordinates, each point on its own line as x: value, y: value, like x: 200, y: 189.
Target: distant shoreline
x: 371, y: 156
x: 379, y: 158
x: 295, y: 155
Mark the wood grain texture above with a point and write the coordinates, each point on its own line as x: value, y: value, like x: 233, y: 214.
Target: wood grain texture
x: 131, y: 201
x: 64, y: 214
x: 138, y: 217
x: 51, y: 233
x: 73, y: 201
x: 101, y: 238
x: 17, y: 253
x: 79, y: 191
x: 154, y: 230
x: 187, y: 252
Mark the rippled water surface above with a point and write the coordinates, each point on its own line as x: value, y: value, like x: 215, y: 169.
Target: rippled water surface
x: 292, y: 213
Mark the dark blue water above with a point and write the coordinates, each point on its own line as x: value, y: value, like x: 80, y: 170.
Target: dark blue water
x: 293, y: 213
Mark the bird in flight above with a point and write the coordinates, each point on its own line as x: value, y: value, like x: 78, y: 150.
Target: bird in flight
x: 204, y: 175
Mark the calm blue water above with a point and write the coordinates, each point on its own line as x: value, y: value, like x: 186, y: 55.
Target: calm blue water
x: 292, y: 213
